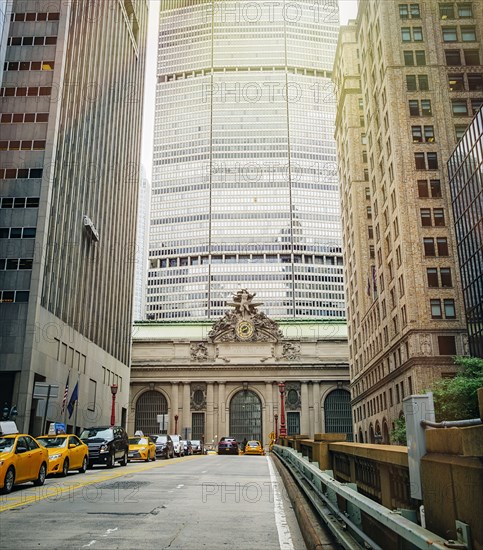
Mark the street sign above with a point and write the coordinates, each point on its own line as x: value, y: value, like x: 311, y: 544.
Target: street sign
x: 41, y: 391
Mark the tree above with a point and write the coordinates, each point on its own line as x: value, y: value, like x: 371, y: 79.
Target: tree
x: 456, y: 398
x: 398, y: 434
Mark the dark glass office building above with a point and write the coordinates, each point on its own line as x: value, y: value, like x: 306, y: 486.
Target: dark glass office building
x: 466, y: 181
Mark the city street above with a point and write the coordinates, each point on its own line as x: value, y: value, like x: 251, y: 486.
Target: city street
x: 193, y: 502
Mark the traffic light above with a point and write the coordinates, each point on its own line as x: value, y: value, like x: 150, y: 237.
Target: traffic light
x: 6, y: 411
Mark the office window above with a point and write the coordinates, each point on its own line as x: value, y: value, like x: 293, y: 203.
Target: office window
x: 426, y: 107
x: 425, y: 214
x: 447, y: 345
x: 429, y: 249
x: 453, y: 58
x: 414, y: 107
x: 446, y: 279
x: 435, y: 186
x: 475, y: 82
x: 449, y: 309
x: 411, y: 83
x: 420, y: 58
x: 417, y: 134
x: 423, y: 191
x: 442, y: 245
x: 459, y: 107
x: 432, y: 161
x: 404, y: 11
x: 468, y: 34
x: 475, y: 105
x: 406, y: 34
x: 436, y: 312
x: 446, y: 11
x: 456, y: 82
x: 460, y: 130
x: 429, y: 134
x: 423, y: 82
x: 465, y: 11
x: 449, y: 34
x: 419, y: 161
x: 415, y: 11
x: 432, y: 276
x: 417, y: 34
x: 438, y: 214
x: 472, y: 57
x: 408, y: 59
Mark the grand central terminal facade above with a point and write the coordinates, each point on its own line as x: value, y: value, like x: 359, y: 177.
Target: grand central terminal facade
x: 206, y: 381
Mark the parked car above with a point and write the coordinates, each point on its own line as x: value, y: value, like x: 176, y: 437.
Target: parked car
x: 164, y: 446
x: 196, y: 446
x: 228, y: 446
x: 178, y: 445
x: 22, y: 459
x: 188, y: 449
x: 107, y: 444
x: 254, y: 448
x: 66, y: 452
x: 141, y: 448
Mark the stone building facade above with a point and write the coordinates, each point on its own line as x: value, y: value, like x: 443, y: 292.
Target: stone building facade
x: 408, y: 79
x: 223, y: 379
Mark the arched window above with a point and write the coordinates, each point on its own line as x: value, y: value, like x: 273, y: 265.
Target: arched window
x: 338, y: 417
x: 148, y: 406
x: 246, y: 416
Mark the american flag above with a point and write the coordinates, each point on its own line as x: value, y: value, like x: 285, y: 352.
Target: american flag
x: 66, y: 391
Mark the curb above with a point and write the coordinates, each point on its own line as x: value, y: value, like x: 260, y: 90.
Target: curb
x: 315, y: 534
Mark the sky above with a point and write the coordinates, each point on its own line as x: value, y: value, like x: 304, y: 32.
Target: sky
x: 348, y: 10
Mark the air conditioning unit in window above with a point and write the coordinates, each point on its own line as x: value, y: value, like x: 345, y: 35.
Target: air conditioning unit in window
x: 91, y: 229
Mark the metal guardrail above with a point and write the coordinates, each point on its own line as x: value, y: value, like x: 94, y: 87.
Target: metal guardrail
x: 346, y: 525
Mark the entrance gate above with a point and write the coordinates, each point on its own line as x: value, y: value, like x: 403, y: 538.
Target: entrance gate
x: 246, y: 416
x: 148, y: 406
x: 338, y: 416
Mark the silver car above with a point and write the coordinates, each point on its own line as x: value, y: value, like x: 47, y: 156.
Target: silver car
x: 178, y: 445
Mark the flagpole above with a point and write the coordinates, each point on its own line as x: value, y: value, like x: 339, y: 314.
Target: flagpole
x: 64, y: 401
x: 76, y: 407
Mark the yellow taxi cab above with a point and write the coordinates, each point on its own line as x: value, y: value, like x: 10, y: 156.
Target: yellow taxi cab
x: 22, y: 459
x: 141, y: 447
x: 66, y: 452
x: 254, y: 448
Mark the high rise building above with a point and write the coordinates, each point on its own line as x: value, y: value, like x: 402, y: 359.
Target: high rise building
x: 408, y: 79
x: 244, y: 185
x: 142, y: 252
x: 466, y: 172
x: 69, y: 163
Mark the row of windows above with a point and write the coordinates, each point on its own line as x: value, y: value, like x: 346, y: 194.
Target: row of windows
x: 454, y: 58
x: 460, y: 106
x: 20, y: 173
x: 446, y: 309
x: 441, y: 246
x: 449, y: 11
x: 437, y: 218
x: 31, y: 91
x: 412, y: 34
x: 456, y: 82
x: 28, y: 66
x: 17, y: 232
x: 8, y: 118
x: 459, y: 34
x: 32, y: 41
x: 444, y: 277
x: 26, y: 145
x: 416, y: 83
x: 429, y: 189
x: 15, y: 264
x: 422, y: 134
x: 409, y: 11
x: 33, y: 16
x: 426, y: 161
x: 14, y: 296
x: 19, y: 202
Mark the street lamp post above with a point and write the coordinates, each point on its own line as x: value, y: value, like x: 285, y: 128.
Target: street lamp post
x: 283, y: 429
x: 276, y: 426
x: 176, y: 417
x: 113, y: 406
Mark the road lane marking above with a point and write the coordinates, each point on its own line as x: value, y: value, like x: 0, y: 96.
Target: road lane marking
x: 90, y: 544
x: 54, y: 491
x: 283, y: 530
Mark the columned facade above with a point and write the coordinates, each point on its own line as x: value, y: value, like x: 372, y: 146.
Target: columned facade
x: 223, y: 380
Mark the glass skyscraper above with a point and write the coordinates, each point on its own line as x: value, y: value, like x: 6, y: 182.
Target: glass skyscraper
x: 244, y: 184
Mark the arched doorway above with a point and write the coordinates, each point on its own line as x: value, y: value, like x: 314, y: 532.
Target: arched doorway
x: 361, y: 437
x: 338, y: 417
x: 385, y: 433
x: 245, y: 416
x: 372, y: 439
x: 148, y: 406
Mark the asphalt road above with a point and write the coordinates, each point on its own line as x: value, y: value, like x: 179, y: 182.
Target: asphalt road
x: 197, y: 502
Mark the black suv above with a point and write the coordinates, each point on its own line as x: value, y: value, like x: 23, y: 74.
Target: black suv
x: 164, y: 446
x: 106, y: 445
